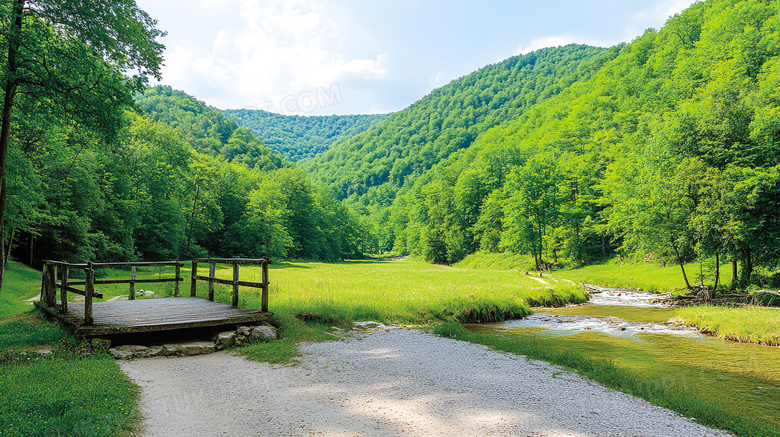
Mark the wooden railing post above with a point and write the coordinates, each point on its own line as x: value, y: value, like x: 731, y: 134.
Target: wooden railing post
x: 45, y: 284
x: 176, y: 292
x: 236, y: 266
x: 51, y: 286
x: 89, y: 288
x: 194, y: 279
x: 132, y: 283
x: 264, y: 304
x: 64, y: 288
x: 212, y: 269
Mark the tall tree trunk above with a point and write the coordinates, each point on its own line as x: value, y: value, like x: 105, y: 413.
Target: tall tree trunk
x: 747, y: 267
x: 11, y: 84
x: 680, y: 261
x: 717, y: 274
x: 10, y: 245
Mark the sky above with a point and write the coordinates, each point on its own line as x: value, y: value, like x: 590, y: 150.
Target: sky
x: 322, y: 57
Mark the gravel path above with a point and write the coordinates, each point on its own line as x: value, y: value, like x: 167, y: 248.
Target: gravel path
x: 387, y: 383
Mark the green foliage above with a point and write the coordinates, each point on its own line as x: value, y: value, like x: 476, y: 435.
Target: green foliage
x: 665, y: 147
x: 206, y: 129
x: 298, y: 138
x: 153, y: 196
x: 370, y: 167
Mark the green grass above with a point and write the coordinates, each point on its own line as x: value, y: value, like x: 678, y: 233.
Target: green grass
x: 408, y: 291
x: 391, y: 292
x: 66, y: 397
x: 745, y: 324
x: 61, y: 394
x: 20, y: 283
x: 607, y: 373
x: 497, y: 261
x: 30, y: 329
x: 648, y: 276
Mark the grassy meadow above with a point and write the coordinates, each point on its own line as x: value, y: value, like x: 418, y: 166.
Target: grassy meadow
x: 308, y: 300
x: 744, y: 324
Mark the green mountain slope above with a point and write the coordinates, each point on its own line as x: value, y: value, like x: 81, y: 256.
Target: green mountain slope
x: 206, y: 129
x: 370, y: 167
x: 672, y: 149
x: 299, y: 138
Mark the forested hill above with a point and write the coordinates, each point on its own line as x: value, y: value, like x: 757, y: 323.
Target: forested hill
x: 297, y: 137
x: 450, y: 118
x: 205, y: 128
x: 672, y: 150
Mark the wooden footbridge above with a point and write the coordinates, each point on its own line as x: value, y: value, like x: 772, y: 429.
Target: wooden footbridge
x: 92, y: 319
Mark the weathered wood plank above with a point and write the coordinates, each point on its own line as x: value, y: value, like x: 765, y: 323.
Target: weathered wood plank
x: 150, y: 315
x: 194, y: 280
x: 231, y: 282
x: 236, y: 268
x: 82, y: 292
x: 264, y: 304
x: 88, y: 291
x: 137, y: 281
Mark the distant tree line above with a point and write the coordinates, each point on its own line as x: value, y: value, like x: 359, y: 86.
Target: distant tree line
x: 298, y: 138
x: 193, y: 185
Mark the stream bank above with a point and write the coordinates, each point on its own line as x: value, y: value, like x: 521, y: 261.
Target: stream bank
x: 637, y: 332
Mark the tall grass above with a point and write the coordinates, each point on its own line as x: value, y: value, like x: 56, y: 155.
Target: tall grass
x: 745, y: 324
x: 406, y: 291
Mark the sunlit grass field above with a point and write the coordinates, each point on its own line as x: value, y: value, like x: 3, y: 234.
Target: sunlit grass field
x: 747, y: 324
x: 407, y: 291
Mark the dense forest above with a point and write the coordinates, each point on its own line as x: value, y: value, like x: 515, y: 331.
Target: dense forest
x: 668, y: 152
x: 666, y: 149
x: 370, y: 167
x: 179, y: 180
x: 298, y: 138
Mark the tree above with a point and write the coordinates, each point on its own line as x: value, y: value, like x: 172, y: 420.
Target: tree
x: 533, y: 206
x: 74, y: 54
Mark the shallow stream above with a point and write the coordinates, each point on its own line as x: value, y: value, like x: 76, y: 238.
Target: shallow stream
x: 634, y: 330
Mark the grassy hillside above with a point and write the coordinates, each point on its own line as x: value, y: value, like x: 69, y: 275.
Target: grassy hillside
x: 206, y: 129
x: 370, y: 167
x: 670, y: 151
x: 299, y: 138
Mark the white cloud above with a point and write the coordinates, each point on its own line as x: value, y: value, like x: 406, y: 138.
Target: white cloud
x: 272, y: 51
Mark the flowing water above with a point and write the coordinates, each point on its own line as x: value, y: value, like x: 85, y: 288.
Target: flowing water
x: 634, y: 330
